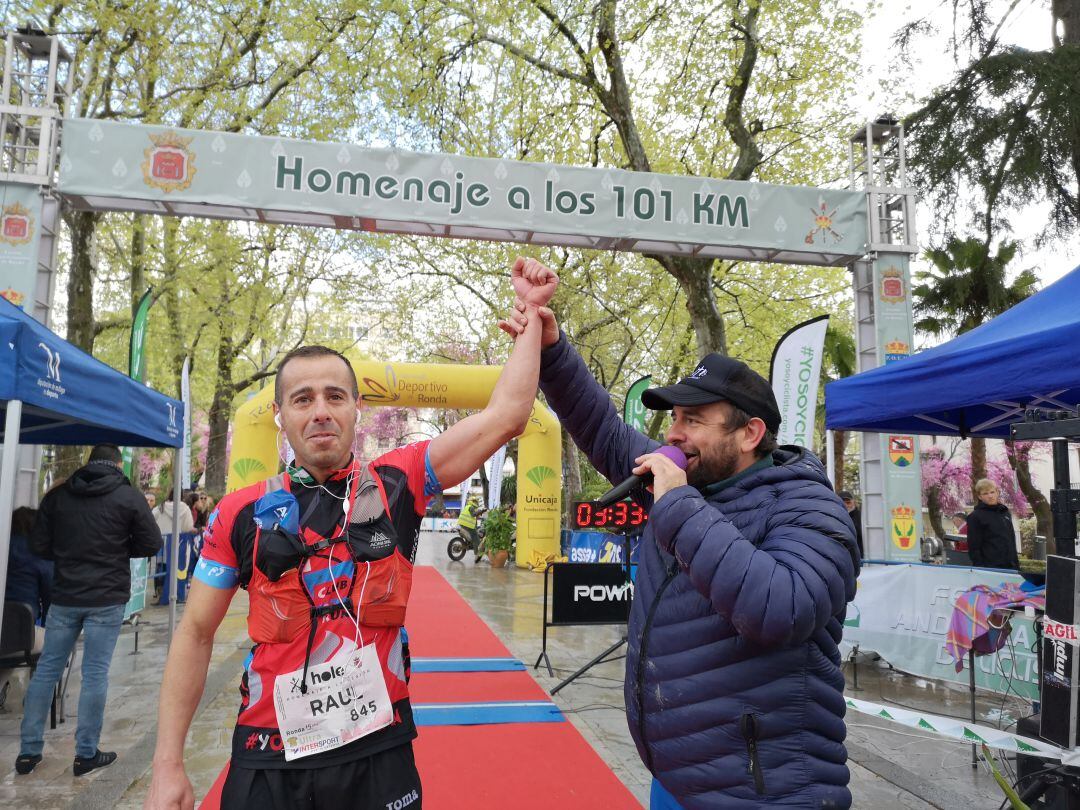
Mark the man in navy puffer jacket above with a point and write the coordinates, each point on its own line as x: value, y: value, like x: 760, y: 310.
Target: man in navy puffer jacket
x: 734, y: 692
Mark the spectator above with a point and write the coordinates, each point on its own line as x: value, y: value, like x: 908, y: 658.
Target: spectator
x: 29, y: 578
x: 151, y: 498
x: 90, y: 528
x: 991, y: 536
x: 855, y: 513
x: 163, y: 514
x: 200, y: 509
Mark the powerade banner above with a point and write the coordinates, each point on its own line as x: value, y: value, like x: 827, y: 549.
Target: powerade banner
x: 590, y: 593
x: 794, y: 373
x: 633, y: 410
x: 109, y: 165
x: 902, y: 613
x: 20, y: 232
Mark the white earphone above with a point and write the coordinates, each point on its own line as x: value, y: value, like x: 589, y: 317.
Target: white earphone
x: 277, y: 420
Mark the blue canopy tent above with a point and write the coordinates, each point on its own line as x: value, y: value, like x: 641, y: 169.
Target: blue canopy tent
x: 978, y: 383
x: 54, y: 393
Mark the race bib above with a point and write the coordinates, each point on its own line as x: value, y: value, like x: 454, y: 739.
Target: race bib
x: 346, y: 699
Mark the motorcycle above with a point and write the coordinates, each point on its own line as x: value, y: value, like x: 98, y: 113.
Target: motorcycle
x: 461, y: 543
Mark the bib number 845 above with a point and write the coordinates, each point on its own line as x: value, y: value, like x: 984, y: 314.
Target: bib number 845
x: 363, y: 711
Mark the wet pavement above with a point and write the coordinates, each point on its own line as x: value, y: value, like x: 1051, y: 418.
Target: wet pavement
x: 891, y: 766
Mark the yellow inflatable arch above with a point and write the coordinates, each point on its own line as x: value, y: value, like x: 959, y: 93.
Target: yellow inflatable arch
x: 254, y: 454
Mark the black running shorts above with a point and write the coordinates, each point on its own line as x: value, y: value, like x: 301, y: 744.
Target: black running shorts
x: 384, y: 781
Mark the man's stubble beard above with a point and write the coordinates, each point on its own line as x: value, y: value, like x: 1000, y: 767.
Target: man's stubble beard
x: 718, y: 464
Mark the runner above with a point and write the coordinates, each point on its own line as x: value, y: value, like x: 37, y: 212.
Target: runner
x: 325, y: 552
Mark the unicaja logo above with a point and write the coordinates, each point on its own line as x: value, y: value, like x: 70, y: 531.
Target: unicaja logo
x: 52, y: 364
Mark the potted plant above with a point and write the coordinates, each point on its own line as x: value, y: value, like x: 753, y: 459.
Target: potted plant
x: 498, y: 530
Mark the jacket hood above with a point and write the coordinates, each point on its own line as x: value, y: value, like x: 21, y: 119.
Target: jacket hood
x: 789, y: 461
x: 96, y: 478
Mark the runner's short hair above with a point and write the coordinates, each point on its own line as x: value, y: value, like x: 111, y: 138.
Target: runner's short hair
x: 313, y: 351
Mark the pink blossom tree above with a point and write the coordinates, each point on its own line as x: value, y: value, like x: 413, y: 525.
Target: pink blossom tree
x: 946, y: 485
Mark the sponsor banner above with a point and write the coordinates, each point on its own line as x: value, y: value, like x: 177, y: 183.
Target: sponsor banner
x: 902, y: 478
x: 140, y: 571
x: 596, y: 547
x: 438, y: 524
x: 185, y: 451
x: 902, y: 613
x: 495, y: 478
x: 1059, y: 631
x: 20, y: 232
x: 634, y: 412
x: 590, y: 593
x: 794, y: 373
x: 134, y: 167
x: 960, y: 730
x: 137, y: 365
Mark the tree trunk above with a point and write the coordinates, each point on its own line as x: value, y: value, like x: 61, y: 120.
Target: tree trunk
x: 695, y: 277
x: 572, y: 466
x: 220, y: 411
x: 1044, y: 520
x: 840, y: 439
x: 177, y: 352
x: 80, y: 289
x: 221, y: 407
x: 933, y: 509
x: 138, y: 261
x: 978, y: 464
x: 80, y: 313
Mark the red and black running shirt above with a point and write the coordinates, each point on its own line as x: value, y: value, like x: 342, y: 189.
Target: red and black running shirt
x: 227, y: 561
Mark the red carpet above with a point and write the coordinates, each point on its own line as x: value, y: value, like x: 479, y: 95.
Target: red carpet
x: 527, y: 766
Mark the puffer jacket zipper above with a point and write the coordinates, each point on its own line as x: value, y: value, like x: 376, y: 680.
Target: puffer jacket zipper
x: 749, y: 727
x: 673, y: 570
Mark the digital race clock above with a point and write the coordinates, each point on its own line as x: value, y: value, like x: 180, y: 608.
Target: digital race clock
x: 621, y: 515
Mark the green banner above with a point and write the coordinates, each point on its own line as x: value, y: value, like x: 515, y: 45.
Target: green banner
x: 20, y: 232
x: 137, y: 360
x: 114, y: 166
x: 137, y: 371
x: 634, y: 411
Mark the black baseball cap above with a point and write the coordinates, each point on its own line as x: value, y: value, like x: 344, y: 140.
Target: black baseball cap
x: 718, y: 377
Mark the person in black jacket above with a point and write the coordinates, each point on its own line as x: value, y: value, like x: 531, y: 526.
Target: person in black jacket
x: 991, y: 537
x: 855, y: 513
x: 90, y: 527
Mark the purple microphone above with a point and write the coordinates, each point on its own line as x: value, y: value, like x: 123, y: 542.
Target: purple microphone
x: 619, y: 492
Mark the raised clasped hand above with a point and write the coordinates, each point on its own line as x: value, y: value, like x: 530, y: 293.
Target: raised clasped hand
x: 534, y: 284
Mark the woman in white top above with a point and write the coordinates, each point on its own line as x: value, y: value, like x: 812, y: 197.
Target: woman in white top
x: 163, y: 514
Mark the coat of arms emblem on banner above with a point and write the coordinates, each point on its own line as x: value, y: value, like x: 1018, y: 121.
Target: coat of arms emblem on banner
x: 892, y: 286
x: 903, y: 527
x: 16, y: 225
x: 902, y: 450
x: 896, y: 350
x: 169, y: 164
